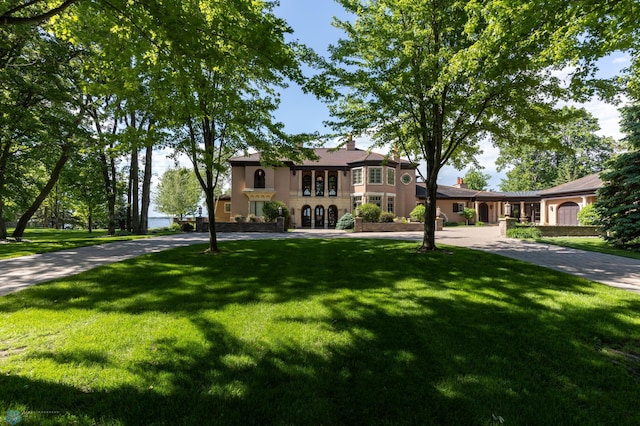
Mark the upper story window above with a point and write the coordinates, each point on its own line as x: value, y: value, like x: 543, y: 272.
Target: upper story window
x: 319, y: 186
x: 375, y: 175
x: 259, y: 179
x: 333, y: 185
x: 356, y: 176
x: 391, y: 176
x: 306, y: 185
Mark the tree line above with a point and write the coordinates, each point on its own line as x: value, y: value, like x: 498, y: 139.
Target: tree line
x: 90, y: 89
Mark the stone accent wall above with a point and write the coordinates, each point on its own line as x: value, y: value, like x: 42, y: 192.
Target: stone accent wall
x: 362, y: 226
x: 202, y: 226
x: 570, y: 231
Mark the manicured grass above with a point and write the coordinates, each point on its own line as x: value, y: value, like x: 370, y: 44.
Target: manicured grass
x: 47, y: 240
x: 590, y: 244
x: 321, y: 332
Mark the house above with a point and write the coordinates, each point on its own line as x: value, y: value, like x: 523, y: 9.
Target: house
x: 561, y: 204
x: 318, y: 192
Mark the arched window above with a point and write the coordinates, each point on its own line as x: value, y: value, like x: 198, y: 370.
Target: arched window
x: 258, y: 179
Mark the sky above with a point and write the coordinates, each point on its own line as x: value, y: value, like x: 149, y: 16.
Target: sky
x: 311, y: 23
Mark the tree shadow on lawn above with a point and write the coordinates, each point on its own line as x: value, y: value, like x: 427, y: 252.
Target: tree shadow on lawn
x: 413, y: 339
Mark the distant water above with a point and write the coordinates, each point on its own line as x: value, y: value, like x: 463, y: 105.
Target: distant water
x: 159, y: 222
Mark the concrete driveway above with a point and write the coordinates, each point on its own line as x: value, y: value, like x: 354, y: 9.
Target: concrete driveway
x: 18, y: 273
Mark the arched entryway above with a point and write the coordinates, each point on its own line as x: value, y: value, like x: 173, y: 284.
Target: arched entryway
x: 306, y: 216
x: 483, y: 212
x: 332, y: 217
x: 319, y: 217
x: 568, y: 214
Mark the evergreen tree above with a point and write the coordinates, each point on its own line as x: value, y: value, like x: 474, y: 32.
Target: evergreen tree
x: 618, y: 197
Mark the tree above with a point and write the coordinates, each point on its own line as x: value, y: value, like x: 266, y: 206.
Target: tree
x: 179, y: 193
x: 477, y: 180
x: 433, y: 78
x: 617, y: 202
x: 227, y: 60
x: 572, y: 150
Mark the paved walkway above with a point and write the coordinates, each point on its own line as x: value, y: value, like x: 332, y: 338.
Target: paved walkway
x: 18, y: 273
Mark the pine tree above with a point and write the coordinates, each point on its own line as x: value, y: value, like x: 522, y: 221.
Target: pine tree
x: 619, y: 196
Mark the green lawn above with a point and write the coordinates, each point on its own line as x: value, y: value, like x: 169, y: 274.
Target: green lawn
x: 590, y: 244
x: 321, y: 332
x: 46, y: 240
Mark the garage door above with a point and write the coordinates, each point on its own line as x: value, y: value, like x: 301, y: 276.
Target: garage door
x: 568, y: 214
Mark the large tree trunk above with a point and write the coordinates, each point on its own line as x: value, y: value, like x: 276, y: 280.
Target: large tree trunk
x: 143, y: 226
x: 109, y: 177
x: 53, y: 179
x: 4, y: 155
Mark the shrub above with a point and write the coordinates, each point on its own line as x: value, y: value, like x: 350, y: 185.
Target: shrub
x: 478, y: 223
x: 186, y: 227
x: 370, y: 212
x: 524, y: 232
x: 588, y: 215
x: 238, y: 218
x: 417, y: 214
x: 270, y: 210
x: 387, y: 217
x: 468, y: 214
x: 175, y: 227
x: 345, y: 222
x: 451, y: 224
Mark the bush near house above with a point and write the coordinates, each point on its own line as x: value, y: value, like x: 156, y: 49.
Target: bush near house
x: 417, y: 214
x: 387, y: 217
x: 345, y: 222
x: 370, y: 212
x: 524, y: 232
x: 588, y: 215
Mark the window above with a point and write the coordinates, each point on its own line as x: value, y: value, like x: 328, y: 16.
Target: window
x: 375, y: 199
x: 375, y: 175
x: 258, y: 179
x: 391, y: 204
x: 256, y: 207
x: 357, y: 200
x: 306, y: 185
x: 356, y: 175
x: 458, y: 207
x: 406, y: 179
x: 319, y: 186
x: 227, y: 207
x: 333, y: 185
x: 391, y: 176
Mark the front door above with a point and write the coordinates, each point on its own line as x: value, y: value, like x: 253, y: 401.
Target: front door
x: 319, y: 223
x: 483, y: 214
x: 306, y: 217
x: 332, y: 219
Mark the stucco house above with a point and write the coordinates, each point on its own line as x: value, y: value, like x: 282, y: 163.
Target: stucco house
x: 318, y: 192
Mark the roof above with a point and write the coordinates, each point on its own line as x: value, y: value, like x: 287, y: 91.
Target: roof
x: 331, y: 157
x: 586, y: 185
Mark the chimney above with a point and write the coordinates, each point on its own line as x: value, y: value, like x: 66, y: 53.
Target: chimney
x: 351, y: 144
x: 460, y: 183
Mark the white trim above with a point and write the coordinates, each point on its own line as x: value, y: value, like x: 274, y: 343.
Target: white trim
x: 362, y: 176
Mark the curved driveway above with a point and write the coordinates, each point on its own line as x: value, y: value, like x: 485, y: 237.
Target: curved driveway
x: 21, y: 272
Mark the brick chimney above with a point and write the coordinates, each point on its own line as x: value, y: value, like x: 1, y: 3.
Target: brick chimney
x: 460, y: 183
x: 351, y: 144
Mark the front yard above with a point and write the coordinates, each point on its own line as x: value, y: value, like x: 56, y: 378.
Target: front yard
x: 320, y: 332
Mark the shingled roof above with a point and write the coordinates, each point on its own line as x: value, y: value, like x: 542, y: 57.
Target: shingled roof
x: 586, y: 185
x: 331, y: 157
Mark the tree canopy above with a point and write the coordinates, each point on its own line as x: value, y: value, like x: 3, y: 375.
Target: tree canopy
x: 433, y: 78
x: 572, y: 150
